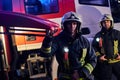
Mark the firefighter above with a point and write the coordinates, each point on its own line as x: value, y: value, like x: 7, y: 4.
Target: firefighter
x: 76, y: 58
x: 107, y: 47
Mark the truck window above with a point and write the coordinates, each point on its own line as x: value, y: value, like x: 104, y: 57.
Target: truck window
x: 38, y: 7
x: 115, y: 10
x: 114, y: 6
x: 94, y: 2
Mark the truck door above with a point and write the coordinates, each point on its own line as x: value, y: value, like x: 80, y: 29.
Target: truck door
x: 91, y: 12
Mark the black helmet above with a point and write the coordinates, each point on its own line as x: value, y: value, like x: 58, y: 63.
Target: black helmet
x: 71, y: 16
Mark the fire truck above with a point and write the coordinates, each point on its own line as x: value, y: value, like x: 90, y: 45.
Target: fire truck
x: 91, y: 11
x: 21, y: 33
x: 13, y: 61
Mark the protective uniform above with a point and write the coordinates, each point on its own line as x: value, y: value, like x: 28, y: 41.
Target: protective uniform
x: 2, y: 72
x: 74, y: 55
x: 107, y: 42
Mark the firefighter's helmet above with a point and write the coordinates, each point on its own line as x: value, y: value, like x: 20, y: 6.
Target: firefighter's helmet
x: 107, y: 17
x: 71, y: 16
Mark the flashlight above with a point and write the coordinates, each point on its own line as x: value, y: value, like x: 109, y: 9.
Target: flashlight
x: 66, y: 50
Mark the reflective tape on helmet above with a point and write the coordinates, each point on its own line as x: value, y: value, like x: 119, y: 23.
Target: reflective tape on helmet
x: 89, y: 67
x: 71, y: 16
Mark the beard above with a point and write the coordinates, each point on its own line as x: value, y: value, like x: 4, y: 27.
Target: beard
x: 71, y: 34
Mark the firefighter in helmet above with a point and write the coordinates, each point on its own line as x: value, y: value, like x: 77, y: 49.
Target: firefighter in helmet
x: 76, y: 58
x: 107, y: 47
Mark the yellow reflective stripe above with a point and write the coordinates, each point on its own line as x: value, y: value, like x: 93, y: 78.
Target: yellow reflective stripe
x: 67, y: 77
x: 66, y: 64
x: 113, y: 60
x: 97, y: 53
x: 46, y: 50
x: 89, y: 67
x: 80, y: 79
x: 115, y: 47
x: 84, y: 52
x: 82, y: 60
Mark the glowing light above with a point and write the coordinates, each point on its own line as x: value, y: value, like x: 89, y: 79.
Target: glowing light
x: 97, y: 39
x: 66, y: 49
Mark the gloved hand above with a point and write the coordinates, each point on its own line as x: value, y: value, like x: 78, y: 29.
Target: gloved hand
x: 47, y: 42
x: 51, y: 32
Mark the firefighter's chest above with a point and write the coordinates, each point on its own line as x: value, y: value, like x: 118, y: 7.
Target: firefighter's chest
x: 69, y: 49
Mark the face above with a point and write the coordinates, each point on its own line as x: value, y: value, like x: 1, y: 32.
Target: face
x: 71, y: 27
x: 106, y: 24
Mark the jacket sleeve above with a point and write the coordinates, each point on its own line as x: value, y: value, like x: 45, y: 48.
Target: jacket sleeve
x: 49, y: 46
x: 95, y: 45
x: 118, y: 42
x: 90, y: 61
